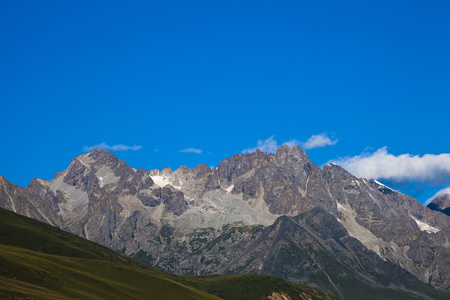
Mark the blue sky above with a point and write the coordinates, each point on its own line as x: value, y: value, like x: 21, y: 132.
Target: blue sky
x: 368, y: 81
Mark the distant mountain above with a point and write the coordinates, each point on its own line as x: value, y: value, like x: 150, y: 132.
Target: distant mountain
x: 441, y: 203
x: 23, y: 201
x: 276, y: 214
x: 38, y: 261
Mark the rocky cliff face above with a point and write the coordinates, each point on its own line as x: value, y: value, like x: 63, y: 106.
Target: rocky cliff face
x: 277, y: 214
x: 35, y: 205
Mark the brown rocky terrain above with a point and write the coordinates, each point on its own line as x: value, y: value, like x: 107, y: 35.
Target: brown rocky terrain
x: 277, y: 214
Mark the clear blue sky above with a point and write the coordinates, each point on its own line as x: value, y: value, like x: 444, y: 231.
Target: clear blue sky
x: 218, y: 76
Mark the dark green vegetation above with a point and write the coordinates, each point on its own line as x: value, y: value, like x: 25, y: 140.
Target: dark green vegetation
x: 38, y: 261
x: 252, y: 286
x: 59, y: 277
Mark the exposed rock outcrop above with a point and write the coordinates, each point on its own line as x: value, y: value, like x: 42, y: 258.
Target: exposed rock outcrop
x: 277, y: 214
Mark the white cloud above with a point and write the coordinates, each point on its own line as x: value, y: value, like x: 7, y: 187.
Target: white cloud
x: 270, y: 145
x: 292, y: 143
x: 405, y: 167
x: 104, y: 146
x: 191, y: 150
x: 318, y: 141
x: 440, y: 193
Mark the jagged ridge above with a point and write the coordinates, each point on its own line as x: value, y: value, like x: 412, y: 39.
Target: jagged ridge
x: 201, y: 220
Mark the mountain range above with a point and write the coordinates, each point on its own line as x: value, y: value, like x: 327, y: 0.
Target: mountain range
x: 38, y: 261
x: 275, y: 214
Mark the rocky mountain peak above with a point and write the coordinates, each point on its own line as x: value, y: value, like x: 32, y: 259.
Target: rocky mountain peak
x: 202, y: 168
x: 167, y: 171
x: 336, y: 172
x: 441, y: 203
x: 98, y: 153
x: 286, y: 155
x: 37, y: 183
x: 4, y: 182
x: 20, y: 200
x: 200, y: 171
x: 96, y: 168
x: 202, y: 220
x: 98, y: 158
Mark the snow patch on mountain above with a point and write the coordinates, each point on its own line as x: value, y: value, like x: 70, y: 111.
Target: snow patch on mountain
x: 383, y: 185
x: 229, y: 189
x: 425, y: 227
x: 161, y: 181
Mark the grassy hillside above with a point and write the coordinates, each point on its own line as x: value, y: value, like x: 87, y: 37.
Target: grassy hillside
x: 59, y: 277
x: 38, y: 261
x: 252, y: 286
x: 20, y: 231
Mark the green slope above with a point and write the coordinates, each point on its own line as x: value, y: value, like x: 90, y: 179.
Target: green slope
x: 61, y: 277
x: 38, y: 261
x: 252, y: 286
x: 20, y: 231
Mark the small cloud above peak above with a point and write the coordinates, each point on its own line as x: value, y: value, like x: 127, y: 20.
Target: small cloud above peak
x: 104, y: 146
x: 270, y: 145
x: 318, y: 141
x: 191, y: 150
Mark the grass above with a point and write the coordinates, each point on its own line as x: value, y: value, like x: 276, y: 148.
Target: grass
x: 33, y: 235
x: 252, y: 286
x: 31, y: 274
x: 38, y: 261
x: 35, y: 275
